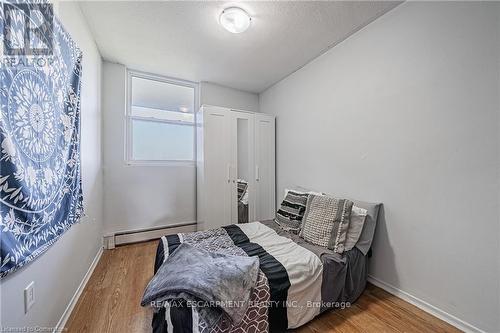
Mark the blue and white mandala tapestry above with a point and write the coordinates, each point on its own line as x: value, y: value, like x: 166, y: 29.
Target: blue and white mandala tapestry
x: 40, y: 182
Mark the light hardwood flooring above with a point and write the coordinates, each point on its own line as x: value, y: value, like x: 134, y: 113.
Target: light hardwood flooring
x: 110, y: 302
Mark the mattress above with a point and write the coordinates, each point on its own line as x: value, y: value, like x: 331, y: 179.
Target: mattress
x: 298, y: 280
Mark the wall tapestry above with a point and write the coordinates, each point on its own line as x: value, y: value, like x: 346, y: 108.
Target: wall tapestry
x: 40, y: 182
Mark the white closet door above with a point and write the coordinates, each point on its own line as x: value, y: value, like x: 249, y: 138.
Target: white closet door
x: 264, y: 167
x: 217, y: 167
x: 242, y: 157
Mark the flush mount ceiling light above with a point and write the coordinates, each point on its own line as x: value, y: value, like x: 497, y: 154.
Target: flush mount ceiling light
x: 235, y: 20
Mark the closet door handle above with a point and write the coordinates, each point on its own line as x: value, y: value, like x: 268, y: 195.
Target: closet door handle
x: 257, y: 175
x: 228, y: 173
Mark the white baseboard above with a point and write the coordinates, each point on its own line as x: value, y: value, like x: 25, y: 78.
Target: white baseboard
x: 71, y: 305
x: 423, y: 305
x: 141, y: 235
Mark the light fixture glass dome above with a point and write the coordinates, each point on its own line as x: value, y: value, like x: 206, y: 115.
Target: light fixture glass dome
x: 235, y: 20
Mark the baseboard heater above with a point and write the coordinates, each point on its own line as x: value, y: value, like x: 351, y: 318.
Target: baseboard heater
x: 141, y: 235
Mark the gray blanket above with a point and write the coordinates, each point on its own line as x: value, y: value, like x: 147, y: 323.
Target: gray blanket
x: 214, y: 283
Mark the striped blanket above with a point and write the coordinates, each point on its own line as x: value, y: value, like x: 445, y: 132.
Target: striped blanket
x: 290, y: 288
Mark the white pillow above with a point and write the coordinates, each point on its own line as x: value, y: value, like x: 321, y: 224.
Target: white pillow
x: 358, y: 218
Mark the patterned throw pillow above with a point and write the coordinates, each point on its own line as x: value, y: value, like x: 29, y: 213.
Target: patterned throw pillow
x: 242, y: 186
x: 291, y: 212
x: 326, y: 220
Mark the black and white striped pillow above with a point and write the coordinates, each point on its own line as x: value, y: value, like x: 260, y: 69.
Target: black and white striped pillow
x: 242, y: 186
x: 291, y: 212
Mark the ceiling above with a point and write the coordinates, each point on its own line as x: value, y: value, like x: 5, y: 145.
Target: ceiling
x: 183, y: 39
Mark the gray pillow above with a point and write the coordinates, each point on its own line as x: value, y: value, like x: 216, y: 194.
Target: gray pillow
x: 365, y: 240
x: 326, y: 221
x: 358, y: 218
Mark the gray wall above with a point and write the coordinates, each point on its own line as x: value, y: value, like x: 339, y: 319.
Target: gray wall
x: 138, y: 197
x: 141, y: 197
x: 214, y: 94
x: 58, y: 272
x: 406, y: 112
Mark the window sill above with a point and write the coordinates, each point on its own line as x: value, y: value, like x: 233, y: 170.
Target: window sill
x: 133, y: 163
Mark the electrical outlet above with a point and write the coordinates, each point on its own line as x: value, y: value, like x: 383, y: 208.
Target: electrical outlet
x: 29, y: 296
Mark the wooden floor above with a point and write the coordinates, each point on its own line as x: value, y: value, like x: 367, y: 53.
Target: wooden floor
x: 110, y: 302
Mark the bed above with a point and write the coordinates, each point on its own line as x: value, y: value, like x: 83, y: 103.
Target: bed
x: 297, y: 280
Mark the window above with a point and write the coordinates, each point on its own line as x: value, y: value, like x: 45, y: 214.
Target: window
x: 160, y: 120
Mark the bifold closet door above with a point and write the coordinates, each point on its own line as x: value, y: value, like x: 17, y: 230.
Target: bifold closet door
x: 217, y: 163
x: 264, y: 167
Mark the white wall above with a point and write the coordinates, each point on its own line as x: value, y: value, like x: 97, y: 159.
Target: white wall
x: 406, y: 112
x: 214, y: 94
x: 58, y: 272
x: 138, y: 197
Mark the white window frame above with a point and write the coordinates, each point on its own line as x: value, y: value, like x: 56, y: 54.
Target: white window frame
x: 129, y: 118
